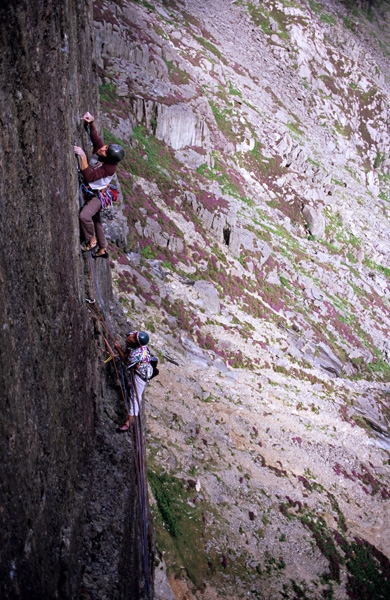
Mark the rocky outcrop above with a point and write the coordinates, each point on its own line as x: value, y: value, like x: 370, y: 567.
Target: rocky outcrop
x: 315, y: 221
x: 258, y: 214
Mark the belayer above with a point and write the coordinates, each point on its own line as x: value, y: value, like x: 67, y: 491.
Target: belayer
x: 97, y: 175
x: 141, y: 367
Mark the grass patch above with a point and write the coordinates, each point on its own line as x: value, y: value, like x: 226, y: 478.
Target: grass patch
x: 375, y: 267
x: 211, y: 48
x: 180, y: 528
x: 107, y: 93
x: 294, y: 128
x: 223, y: 119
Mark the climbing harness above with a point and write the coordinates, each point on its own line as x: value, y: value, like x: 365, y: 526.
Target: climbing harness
x: 107, y: 197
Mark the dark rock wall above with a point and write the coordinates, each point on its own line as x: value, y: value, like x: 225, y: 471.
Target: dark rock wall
x: 51, y: 378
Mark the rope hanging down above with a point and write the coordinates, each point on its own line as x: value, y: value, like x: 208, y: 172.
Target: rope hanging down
x: 129, y: 398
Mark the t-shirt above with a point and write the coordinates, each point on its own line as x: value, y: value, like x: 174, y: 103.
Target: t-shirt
x: 100, y: 175
x: 139, y: 360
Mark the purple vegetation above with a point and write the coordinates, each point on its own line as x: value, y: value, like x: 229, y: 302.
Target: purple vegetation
x: 294, y: 503
x: 343, y: 329
x: 385, y: 493
x: 344, y: 414
x: 210, y: 201
x: 238, y: 69
x: 339, y: 470
x: 306, y: 484
x: 278, y: 472
x: 123, y: 260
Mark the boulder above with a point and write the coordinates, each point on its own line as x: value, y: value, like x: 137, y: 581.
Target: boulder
x: 208, y: 293
x: 315, y: 221
x: 178, y: 126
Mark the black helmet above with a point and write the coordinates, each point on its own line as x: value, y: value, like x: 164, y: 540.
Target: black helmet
x: 142, y: 338
x: 115, y: 153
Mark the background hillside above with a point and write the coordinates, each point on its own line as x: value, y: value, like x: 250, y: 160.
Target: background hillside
x: 252, y: 242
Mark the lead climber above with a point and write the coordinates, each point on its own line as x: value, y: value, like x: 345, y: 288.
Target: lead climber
x: 98, y: 175
x: 141, y: 367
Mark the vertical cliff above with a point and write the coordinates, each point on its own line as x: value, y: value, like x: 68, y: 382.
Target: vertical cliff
x: 53, y: 438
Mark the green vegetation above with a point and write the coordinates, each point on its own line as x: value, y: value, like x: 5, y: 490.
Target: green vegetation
x: 107, y: 93
x: 176, y: 75
x: 285, y: 282
x: 328, y: 19
x: 233, y: 91
x: 294, y: 127
x: 145, y: 4
x: 375, y: 267
x: 365, y: 565
x: 151, y: 158
x: 379, y: 159
x: 344, y: 131
x: 179, y: 527
x: 316, y: 7
x: 198, y: 549
x: 379, y: 365
x: 148, y: 253
x: 225, y: 179
x: 261, y: 17
x: 368, y: 569
x: 210, y: 47
x: 223, y: 119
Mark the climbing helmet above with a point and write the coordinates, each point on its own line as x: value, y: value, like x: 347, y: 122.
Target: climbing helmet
x: 142, y: 338
x: 115, y: 153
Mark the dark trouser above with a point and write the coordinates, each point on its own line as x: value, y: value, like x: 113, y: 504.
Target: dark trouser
x: 91, y: 223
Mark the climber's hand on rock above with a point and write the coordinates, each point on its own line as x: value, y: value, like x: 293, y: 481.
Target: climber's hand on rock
x: 79, y: 151
x: 88, y: 118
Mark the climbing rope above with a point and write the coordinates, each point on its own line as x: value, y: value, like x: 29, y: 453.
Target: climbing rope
x: 129, y: 399
x: 141, y: 484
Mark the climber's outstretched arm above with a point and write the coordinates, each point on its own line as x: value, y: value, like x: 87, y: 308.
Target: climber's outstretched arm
x: 120, y: 352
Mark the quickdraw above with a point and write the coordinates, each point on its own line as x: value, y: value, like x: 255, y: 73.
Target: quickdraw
x: 107, y: 197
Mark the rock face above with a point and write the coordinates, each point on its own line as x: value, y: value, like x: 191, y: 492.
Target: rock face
x: 55, y: 441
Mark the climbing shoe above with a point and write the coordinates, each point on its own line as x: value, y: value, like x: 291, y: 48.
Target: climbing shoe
x: 86, y: 247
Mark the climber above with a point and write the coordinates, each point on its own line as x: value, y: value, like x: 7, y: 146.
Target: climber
x: 98, y: 175
x: 141, y: 366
